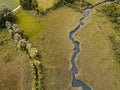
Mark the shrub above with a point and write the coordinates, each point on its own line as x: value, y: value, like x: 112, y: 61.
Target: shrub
x: 6, y: 14
x: 17, y: 37
x: 22, y: 44
x: 33, y: 52
x: 29, y: 4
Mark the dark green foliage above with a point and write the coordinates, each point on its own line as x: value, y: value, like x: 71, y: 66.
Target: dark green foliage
x: 6, y: 14
x: 71, y: 1
x: 82, y: 3
x: 29, y: 4
x: 111, y: 11
x: 117, y: 1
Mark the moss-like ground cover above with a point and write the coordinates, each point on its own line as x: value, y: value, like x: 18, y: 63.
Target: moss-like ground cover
x: 28, y: 23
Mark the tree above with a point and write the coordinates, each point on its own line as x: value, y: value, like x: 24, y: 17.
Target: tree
x: 71, y: 1
x: 6, y: 14
x: 29, y: 4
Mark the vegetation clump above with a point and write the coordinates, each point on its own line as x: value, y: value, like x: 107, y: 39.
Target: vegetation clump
x: 115, y: 46
x: 6, y: 14
x: 112, y: 11
x: 29, y: 4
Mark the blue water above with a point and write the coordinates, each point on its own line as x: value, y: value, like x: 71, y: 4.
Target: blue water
x: 77, y: 83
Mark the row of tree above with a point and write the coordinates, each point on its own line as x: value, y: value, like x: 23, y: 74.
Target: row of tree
x: 22, y: 43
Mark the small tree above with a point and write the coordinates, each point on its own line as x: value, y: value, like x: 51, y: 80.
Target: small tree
x: 29, y: 4
x: 17, y: 37
x: 22, y: 44
x: 71, y: 1
x: 6, y: 14
x: 33, y: 52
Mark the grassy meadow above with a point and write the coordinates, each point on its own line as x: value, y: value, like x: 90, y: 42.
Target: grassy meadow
x: 45, y: 4
x: 28, y: 23
x: 94, y: 1
x: 11, y: 3
x: 96, y: 62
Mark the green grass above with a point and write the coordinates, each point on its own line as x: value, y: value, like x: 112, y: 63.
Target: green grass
x: 11, y: 3
x: 28, y: 23
x: 45, y: 4
x: 94, y: 1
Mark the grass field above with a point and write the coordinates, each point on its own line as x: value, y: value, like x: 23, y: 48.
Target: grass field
x: 94, y: 1
x: 28, y: 23
x: 14, y: 66
x: 11, y: 3
x: 50, y: 35
x: 45, y: 4
x: 96, y: 63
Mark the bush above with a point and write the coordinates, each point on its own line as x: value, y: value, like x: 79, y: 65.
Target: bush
x: 29, y: 4
x: 111, y: 11
x: 6, y: 14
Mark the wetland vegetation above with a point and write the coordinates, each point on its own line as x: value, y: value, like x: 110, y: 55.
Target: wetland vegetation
x: 36, y: 52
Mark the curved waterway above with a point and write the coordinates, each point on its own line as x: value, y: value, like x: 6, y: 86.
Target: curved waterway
x: 75, y: 82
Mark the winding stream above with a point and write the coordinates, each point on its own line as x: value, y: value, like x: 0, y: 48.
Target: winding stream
x: 75, y: 82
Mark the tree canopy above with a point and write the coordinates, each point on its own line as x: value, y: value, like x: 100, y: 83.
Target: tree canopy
x: 29, y: 4
x: 6, y: 14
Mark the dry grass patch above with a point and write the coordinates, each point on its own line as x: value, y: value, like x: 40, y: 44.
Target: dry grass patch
x: 14, y: 66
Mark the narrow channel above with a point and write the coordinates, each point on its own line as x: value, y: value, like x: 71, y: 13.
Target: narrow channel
x: 77, y: 83
x: 74, y: 70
